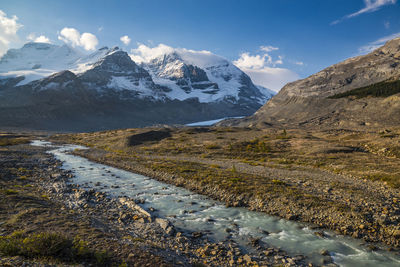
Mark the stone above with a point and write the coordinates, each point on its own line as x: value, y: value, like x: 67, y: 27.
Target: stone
x: 247, y: 259
x: 170, y: 230
x: 197, y: 234
x: 163, y: 223
x: 396, y: 233
x: 324, y: 252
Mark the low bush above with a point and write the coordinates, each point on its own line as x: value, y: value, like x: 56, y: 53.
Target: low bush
x: 50, y: 245
x: 10, y: 141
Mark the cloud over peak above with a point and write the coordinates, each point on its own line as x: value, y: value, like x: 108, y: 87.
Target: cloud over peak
x: 144, y: 53
x: 258, y: 61
x: 200, y: 58
x: 87, y: 41
x: 40, y: 39
x: 125, y: 39
x: 250, y: 62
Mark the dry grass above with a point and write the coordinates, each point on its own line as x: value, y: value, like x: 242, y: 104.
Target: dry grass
x: 367, y: 155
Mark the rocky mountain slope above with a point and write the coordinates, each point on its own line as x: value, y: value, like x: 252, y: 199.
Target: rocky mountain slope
x: 45, y: 86
x: 357, y: 92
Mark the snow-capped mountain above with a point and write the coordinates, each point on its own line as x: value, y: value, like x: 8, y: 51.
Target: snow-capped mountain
x: 35, y: 61
x: 177, y: 87
x: 268, y: 93
x: 202, y: 75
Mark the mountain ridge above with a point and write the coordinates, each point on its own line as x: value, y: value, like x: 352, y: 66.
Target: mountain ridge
x: 309, y: 103
x: 118, y: 92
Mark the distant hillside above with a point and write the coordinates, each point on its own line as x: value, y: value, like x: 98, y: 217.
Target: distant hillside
x: 358, y: 92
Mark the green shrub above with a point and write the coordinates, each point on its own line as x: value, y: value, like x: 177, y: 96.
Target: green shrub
x: 50, y: 245
x: 10, y: 141
x: 213, y: 146
x: 279, y: 182
x: 35, y: 245
x: 234, y: 171
x: 10, y: 192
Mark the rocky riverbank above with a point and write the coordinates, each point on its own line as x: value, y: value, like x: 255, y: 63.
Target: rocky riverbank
x: 324, y: 178
x: 321, y: 217
x: 129, y: 234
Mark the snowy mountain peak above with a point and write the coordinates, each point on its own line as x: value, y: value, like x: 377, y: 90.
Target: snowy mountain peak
x: 117, y: 61
x: 201, y: 59
x: 171, y: 73
x: 39, y: 55
x: 202, y: 75
x: 110, y: 88
x: 34, y: 61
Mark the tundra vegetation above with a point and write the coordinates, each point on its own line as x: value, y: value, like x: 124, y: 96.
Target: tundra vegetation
x: 38, y: 230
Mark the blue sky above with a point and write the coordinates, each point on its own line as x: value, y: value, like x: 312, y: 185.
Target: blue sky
x: 282, y: 40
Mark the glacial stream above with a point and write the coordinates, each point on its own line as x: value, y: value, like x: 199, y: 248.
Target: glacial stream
x: 193, y: 212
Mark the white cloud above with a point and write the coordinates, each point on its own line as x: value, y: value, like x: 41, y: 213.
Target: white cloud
x: 250, y: 62
x: 370, y: 6
x: 72, y: 36
x: 378, y: 43
x: 279, y: 61
x: 200, y: 58
x: 144, y: 53
x: 89, y: 41
x: 258, y: 61
x: 125, y: 39
x: 300, y: 63
x: 268, y: 48
x: 41, y: 39
x: 31, y: 37
x: 8, y: 31
x: 261, y: 69
x: 386, y: 24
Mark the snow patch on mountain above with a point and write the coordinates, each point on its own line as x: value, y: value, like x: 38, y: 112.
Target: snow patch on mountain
x: 30, y: 75
x: 39, y: 56
x: 265, y: 91
x: 141, y: 88
x: 86, y: 62
x: 35, y: 61
x: 202, y: 59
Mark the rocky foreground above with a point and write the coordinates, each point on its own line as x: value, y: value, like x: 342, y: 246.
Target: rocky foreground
x: 36, y: 198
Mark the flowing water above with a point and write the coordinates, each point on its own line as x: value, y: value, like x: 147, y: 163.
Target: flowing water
x: 193, y: 212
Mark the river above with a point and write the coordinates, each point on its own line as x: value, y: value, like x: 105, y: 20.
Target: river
x: 193, y: 212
